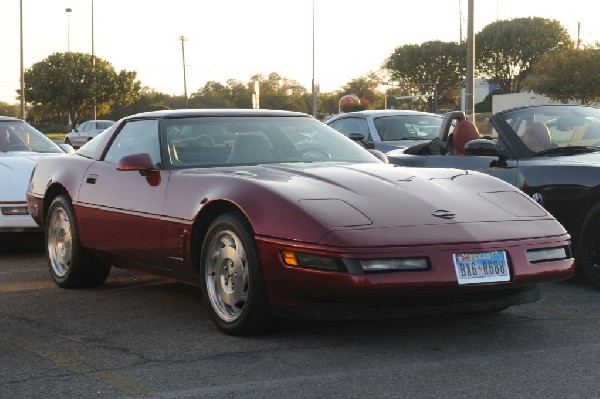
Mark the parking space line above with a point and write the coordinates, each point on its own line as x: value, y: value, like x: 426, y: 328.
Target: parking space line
x: 26, y: 286
x: 565, y: 312
x: 113, y: 379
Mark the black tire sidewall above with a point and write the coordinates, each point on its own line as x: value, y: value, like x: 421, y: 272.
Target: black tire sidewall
x: 582, y: 262
x: 255, y: 316
x: 84, y: 271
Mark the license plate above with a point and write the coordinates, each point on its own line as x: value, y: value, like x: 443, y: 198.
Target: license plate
x: 481, y: 267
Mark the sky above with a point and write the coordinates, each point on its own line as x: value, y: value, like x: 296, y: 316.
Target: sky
x: 236, y: 39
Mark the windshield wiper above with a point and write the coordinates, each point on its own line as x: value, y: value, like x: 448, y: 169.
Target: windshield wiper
x: 410, y: 138
x: 574, y: 149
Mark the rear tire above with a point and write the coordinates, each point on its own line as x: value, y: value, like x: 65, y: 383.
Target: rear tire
x: 587, y: 245
x: 70, y: 264
x: 232, y: 283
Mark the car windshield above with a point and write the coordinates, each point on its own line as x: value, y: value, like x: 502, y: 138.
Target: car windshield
x: 556, y: 128
x: 104, y: 124
x: 20, y: 136
x: 217, y: 141
x: 407, y: 127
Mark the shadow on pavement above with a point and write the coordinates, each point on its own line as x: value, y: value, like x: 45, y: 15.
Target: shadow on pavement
x: 15, y: 243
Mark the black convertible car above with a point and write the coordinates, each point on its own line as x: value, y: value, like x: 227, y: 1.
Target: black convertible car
x: 551, y: 152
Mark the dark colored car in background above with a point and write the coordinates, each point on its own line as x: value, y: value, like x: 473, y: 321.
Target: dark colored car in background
x: 387, y: 130
x: 551, y: 152
x: 275, y: 215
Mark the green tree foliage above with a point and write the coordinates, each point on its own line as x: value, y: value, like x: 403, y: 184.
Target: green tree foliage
x: 421, y: 66
x: 277, y: 92
x: 7, y: 109
x: 568, y: 75
x: 68, y: 83
x: 506, y: 50
x: 232, y: 94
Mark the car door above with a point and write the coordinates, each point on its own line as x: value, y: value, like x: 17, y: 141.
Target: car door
x: 121, y: 210
x: 78, y: 138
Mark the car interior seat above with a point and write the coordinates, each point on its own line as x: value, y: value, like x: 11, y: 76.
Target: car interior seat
x: 250, y: 148
x: 537, y: 137
x: 463, y: 132
x: 4, y: 140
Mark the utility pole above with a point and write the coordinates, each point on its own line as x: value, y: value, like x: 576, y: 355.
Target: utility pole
x: 183, y: 39
x: 23, y: 113
x: 469, y: 100
x: 314, y: 89
x: 94, y: 66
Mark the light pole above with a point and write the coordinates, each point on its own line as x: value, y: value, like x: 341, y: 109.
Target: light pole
x: 314, y: 89
x: 23, y: 115
x: 68, y: 10
x: 94, y: 64
x: 469, y: 100
x: 183, y: 39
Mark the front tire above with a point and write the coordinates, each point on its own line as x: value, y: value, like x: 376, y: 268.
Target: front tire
x: 70, y: 264
x: 232, y: 281
x: 587, y: 245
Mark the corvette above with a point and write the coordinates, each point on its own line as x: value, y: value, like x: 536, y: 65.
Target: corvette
x: 276, y: 215
x: 20, y: 147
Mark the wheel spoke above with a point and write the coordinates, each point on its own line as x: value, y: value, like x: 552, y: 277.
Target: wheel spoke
x: 227, y: 275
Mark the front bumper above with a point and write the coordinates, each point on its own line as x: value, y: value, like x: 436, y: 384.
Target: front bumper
x: 309, y: 293
x: 15, y: 223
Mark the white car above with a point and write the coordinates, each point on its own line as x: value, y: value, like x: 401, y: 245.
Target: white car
x: 86, y: 131
x: 20, y: 147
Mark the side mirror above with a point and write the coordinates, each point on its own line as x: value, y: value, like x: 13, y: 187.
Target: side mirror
x: 382, y: 157
x: 136, y: 162
x: 481, y: 147
x: 362, y: 139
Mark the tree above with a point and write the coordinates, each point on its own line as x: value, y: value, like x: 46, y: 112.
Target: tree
x: 568, y: 75
x: 506, y: 50
x: 68, y: 83
x: 278, y: 92
x: 365, y: 88
x: 421, y: 66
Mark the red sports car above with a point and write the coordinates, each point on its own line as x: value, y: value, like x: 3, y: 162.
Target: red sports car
x: 276, y: 215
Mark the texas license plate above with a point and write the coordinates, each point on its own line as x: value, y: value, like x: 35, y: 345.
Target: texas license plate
x: 481, y: 267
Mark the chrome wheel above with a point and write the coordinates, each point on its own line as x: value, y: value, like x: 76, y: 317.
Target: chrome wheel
x: 227, y: 275
x: 60, y: 242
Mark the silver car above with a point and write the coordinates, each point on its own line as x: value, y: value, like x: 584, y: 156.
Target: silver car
x: 86, y: 131
x: 387, y: 130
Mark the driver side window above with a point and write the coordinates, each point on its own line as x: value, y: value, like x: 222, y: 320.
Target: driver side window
x: 352, y: 125
x: 138, y: 136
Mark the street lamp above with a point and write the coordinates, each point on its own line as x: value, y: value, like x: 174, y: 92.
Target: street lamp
x: 314, y: 88
x: 68, y: 10
x: 183, y: 39
x: 23, y: 114
x: 94, y: 64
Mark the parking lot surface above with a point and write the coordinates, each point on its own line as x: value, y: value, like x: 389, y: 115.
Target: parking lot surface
x: 145, y: 336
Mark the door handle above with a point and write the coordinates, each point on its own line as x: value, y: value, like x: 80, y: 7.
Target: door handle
x: 91, y: 179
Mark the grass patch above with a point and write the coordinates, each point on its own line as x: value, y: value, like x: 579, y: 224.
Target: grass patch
x: 56, y: 136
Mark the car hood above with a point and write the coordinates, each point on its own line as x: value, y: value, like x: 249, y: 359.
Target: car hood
x: 370, y: 197
x: 589, y: 159
x: 15, y: 171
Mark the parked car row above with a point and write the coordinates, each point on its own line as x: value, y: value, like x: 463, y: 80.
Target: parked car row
x: 276, y: 215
